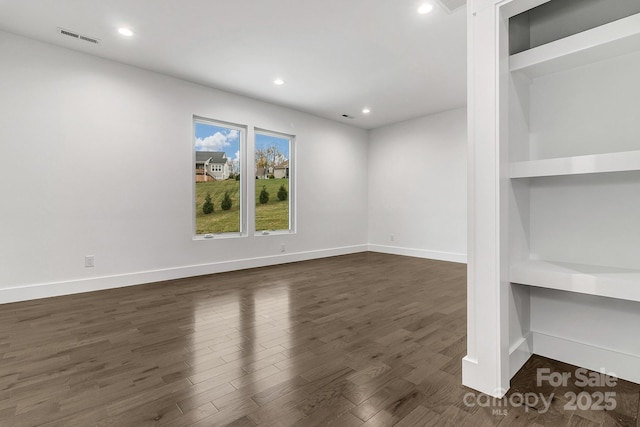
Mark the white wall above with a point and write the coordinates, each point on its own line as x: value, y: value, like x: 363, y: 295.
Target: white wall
x: 97, y: 159
x: 417, y: 187
x: 584, y: 330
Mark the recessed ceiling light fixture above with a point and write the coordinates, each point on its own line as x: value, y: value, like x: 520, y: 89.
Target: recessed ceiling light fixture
x: 425, y: 8
x: 125, y: 31
x: 366, y: 111
x: 278, y: 82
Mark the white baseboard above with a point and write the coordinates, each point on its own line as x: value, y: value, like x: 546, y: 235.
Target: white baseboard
x: 519, y: 353
x: 420, y: 253
x: 53, y: 289
x: 621, y: 365
x: 474, y: 377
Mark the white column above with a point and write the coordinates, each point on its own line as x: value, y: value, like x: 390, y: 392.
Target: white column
x: 486, y: 366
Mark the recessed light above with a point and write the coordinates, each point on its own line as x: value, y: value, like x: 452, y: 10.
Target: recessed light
x: 278, y: 82
x: 425, y: 8
x: 366, y: 111
x: 125, y: 31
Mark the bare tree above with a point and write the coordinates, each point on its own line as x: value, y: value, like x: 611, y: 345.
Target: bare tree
x: 234, y: 166
x: 268, y: 158
x: 261, y: 158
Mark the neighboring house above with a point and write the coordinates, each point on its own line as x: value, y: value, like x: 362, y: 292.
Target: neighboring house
x: 263, y: 173
x: 211, y: 164
x: 282, y: 170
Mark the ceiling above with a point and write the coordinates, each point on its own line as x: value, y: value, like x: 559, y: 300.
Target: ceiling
x: 335, y: 56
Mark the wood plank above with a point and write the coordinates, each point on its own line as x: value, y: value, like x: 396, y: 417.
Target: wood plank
x: 363, y: 339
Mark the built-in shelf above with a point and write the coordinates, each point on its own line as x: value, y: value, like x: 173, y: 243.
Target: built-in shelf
x: 607, y: 41
x: 595, y: 163
x: 586, y: 279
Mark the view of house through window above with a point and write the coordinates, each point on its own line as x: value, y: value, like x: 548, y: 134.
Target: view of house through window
x: 217, y: 175
x: 274, y: 181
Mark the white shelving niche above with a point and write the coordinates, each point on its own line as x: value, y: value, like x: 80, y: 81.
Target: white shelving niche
x: 572, y: 192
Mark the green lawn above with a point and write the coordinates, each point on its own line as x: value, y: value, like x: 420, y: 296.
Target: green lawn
x: 219, y: 221
x: 275, y: 214
x: 271, y: 216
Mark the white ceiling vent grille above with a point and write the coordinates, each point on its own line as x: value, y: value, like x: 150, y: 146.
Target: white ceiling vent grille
x: 73, y: 34
x: 452, y: 5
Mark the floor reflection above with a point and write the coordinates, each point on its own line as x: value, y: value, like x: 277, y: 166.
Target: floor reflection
x: 240, y: 336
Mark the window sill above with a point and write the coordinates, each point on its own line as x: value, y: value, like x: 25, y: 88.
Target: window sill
x: 221, y: 236
x: 273, y: 233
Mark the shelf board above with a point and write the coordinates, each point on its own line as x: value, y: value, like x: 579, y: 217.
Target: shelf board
x: 595, y: 163
x: 606, y: 41
x: 585, y: 279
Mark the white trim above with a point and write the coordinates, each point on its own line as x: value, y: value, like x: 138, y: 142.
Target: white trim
x: 519, y: 353
x: 420, y: 253
x: 509, y: 8
x: 624, y: 366
x: 53, y: 289
x: 263, y: 233
x: 475, y: 377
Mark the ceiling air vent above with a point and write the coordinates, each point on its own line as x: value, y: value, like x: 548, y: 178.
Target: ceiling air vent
x: 452, y: 5
x: 78, y: 36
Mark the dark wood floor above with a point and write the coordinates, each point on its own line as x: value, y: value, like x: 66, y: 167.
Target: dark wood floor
x: 358, y: 340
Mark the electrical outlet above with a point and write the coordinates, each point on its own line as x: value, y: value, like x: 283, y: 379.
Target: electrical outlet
x: 282, y: 248
x: 89, y: 261
x: 392, y: 238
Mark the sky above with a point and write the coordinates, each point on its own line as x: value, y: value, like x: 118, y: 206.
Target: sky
x: 217, y: 138
x: 264, y: 141
x: 209, y: 137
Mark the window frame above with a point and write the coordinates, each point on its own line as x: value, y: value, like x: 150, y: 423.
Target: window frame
x: 242, y: 199
x: 292, y: 182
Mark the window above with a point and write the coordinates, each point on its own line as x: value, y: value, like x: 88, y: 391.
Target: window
x: 218, y: 193
x: 274, y: 198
